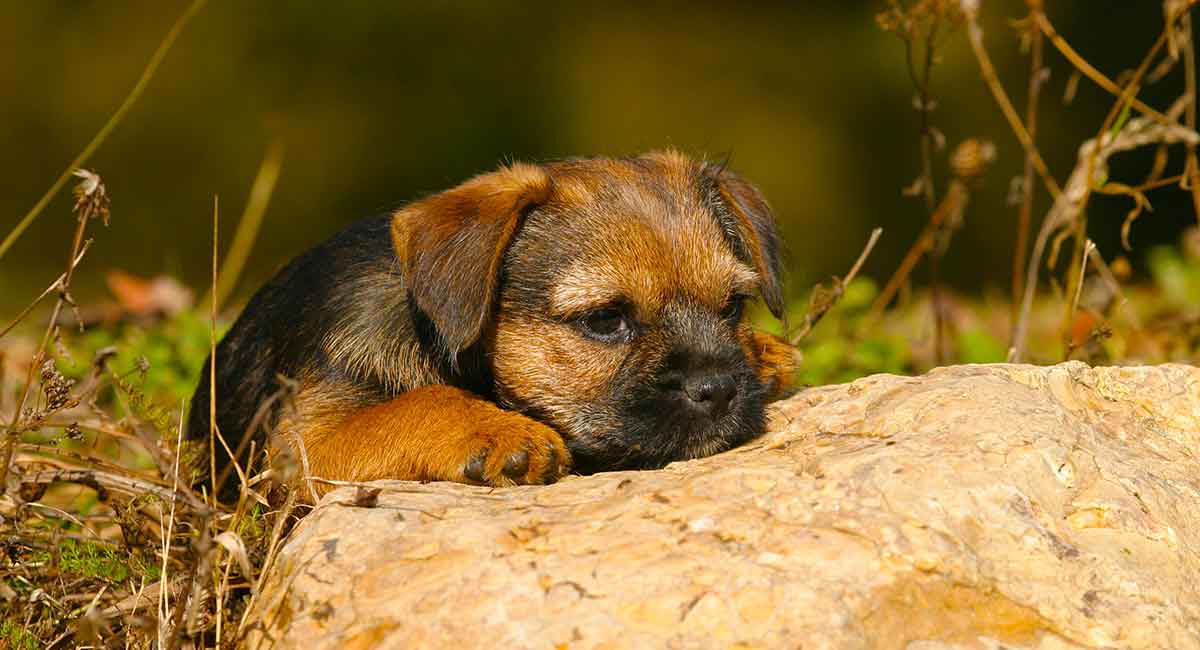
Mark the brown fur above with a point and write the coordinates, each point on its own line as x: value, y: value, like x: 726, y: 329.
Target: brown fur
x: 464, y: 351
x: 450, y: 246
x: 774, y: 360
x: 433, y: 434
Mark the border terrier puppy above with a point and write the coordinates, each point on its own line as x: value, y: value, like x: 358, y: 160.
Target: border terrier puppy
x: 582, y: 315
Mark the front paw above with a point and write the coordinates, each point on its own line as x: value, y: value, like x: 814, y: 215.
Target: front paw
x: 511, y: 449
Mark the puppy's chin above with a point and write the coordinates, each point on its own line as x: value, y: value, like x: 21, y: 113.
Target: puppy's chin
x: 647, y: 428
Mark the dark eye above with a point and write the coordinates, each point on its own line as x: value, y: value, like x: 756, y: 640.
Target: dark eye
x: 732, y: 311
x: 608, y: 325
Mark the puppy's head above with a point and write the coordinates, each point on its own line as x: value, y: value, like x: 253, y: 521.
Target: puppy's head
x: 607, y: 295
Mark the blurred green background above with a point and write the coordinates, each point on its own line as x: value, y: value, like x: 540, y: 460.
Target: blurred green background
x: 380, y: 102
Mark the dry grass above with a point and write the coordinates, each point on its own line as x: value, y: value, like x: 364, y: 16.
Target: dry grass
x: 108, y: 541
x: 111, y: 542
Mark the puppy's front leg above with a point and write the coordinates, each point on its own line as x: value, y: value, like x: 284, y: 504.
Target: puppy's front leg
x: 439, y: 433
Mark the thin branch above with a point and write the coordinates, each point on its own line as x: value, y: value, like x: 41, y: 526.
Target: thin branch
x: 248, y: 225
x: 975, y: 37
x: 1189, y: 68
x: 954, y: 202
x: 1110, y: 125
x: 1081, y: 64
x: 273, y: 546
x: 1069, y: 209
x: 1082, y: 275
x: 163, y: 595
x: 29, y: 454
x: 1025, y: 215
x: 212, y: 354
x: 839, y: 285
x: 1110, y: 280
x: 91, y: 202
x: 57, y: 285
x: 970, y: 161
x: 862, y: 257
x: 116, y: 483
x: 1139, y: 132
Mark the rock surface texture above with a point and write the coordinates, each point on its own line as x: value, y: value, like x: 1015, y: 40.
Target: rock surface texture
x: 996, y: 506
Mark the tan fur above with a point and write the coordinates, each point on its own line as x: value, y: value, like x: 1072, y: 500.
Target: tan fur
x: 774, y: 359
x: 453, y: 280
x: 652, y: 267
x: 429, y: 434
x: 450, y: 249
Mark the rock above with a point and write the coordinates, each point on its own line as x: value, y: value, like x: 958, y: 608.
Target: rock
x: 973, y: 507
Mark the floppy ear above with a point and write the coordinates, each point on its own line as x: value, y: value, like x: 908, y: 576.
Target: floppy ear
x: 752, y: 231
x: 450, y: 247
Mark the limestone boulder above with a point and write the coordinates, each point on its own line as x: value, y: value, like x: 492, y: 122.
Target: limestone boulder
x: 995, y: 506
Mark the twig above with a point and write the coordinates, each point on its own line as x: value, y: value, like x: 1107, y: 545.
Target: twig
x: 839, y: 286
x: 862, y: 257
x: 1025, y: 215
x: 63, y: 514
x: 260, y: 415
x: 192, y: 594
x: 248, y: 225
x: 137, y: 600
x: 1081, y: 64
x: 1192, y: 171
x: 1118, y: 111
x: 116, y: 483
x: 212, y: 354
x: 61, y: 457
x: 222, y: 587
x: 1082, y: 275
x: 304, y: 466
x: 921, y: 82
x: 98, y: 139
x: 273, y: 546
x: 975, y: 37
x: 927, y: 178
x: 953, y: 202
x: 939, y: 314
x: 1110, y: 280
x: 91, y: 202
x: 57, y: 285
x: 163, y: 593
x: 970, y: 160
x: 1139, y: 132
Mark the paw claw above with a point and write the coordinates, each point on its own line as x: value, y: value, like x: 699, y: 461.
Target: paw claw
x: 473, y: 470
x: 512, y: 450
x: 517, y: 464
x: 551, y: 473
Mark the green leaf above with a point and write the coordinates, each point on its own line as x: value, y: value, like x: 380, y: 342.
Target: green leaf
x: 979, y: 346
x: 1123, y: 117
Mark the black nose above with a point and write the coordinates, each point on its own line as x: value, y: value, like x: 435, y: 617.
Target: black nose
x: 712, y: 393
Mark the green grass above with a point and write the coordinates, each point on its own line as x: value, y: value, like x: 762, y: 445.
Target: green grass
x: 167, y: 356
x: 97, y: 561
x: 15, y: 636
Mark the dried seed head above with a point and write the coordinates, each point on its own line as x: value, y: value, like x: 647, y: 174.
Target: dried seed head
x: 91, y: 197
x: 73, y: 432
x: 972, y: 158
x: 55, y: 387
x: 915, y: 21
